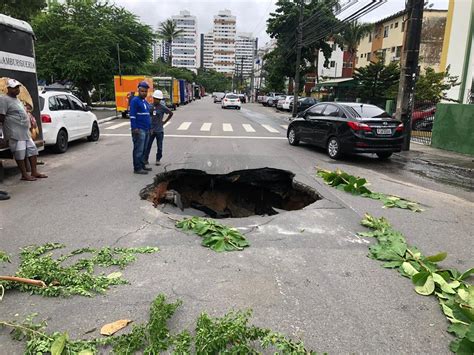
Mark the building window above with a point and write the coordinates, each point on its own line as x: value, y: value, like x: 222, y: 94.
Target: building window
x: 391, y: 25
x: 393, y: 49
x: 370, y: 37
x: 399, y: 52
x: 396, y: 24
x: 385, y: 32
x: 362, y: 55
x: 333, y: 63
x: 368, y: 56
x: 403, y: 26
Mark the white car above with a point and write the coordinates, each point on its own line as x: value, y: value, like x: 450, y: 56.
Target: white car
x: 231, y: 100
x: 286, y: 103
x: 65, y: 118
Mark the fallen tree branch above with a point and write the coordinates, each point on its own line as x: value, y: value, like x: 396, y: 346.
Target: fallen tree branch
x: 38, y: 283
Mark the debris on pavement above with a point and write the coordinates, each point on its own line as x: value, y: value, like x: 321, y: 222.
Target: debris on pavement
x: 114, y: 327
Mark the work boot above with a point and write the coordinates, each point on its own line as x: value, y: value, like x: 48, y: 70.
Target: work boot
x: 140, y: 172
x: 147, y: 169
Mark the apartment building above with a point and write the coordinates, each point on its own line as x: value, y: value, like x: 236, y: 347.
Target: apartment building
x: 185, y: 47
x: 245, y: 46
x: 224, y: 33
x: 160, y: 50
x: 386, y: 40
x: 207, y: 50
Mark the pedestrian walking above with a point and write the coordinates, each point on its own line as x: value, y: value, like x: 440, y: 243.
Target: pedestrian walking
x: 16, y: 126
x: 140, y: 123
x: 157, y: 131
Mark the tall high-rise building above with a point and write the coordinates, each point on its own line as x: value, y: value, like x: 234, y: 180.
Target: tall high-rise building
x: 185, y: 47
x: 245, y: 46
x: 224, y: 42
x: 160, y: 49
x: 207, y: 45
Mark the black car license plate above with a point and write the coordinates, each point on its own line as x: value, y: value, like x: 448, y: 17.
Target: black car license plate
x: 384, y: 131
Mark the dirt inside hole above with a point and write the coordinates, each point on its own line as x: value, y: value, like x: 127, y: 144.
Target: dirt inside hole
x: 242, y: 193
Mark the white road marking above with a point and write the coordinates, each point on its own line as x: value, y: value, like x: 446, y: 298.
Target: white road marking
x: 284, y: 126
x: 106, y: 119
x: 206, y: 126
x: 167, y: 124
x: 248, y: 128
x: 197, y: 136
x: 118, y: 125
x: 106, y: 123
x: 227, y: 127
x: 184, y: 126
x: 270, y: 128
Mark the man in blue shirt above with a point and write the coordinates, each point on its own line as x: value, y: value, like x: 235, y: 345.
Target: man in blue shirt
x: 140, y: 123
x: 157, y: 130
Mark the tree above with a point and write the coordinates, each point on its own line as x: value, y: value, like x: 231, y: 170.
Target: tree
x: 22, y: 9
x: 318, y: 25
x: 213, y: 81
x: 77, y: 41
x: 378, y: 82
x: 432, y: 87
x: 161, y: 68
x: 274, y: 71
x: 351, y: 35
x: 169, y: 32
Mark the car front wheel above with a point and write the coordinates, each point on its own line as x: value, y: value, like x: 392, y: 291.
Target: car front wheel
x: 95, y: 133
x: 334, y: 148
x: 292, y: 137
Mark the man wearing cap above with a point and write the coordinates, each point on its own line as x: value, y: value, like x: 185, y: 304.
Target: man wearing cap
x: 157, y: 130
x: 140, y: 123
x: 16, y: 125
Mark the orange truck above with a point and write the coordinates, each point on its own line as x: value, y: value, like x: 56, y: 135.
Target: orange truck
x: 126, y: 86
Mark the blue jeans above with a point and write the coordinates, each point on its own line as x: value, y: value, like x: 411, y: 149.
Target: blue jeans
x: 159, y: 143
x: 140, y: 141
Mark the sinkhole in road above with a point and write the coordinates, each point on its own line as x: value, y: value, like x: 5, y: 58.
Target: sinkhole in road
x: 242, y: 193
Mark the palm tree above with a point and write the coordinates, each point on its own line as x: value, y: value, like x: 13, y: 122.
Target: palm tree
x: 169, y: 32
x: 351, y: 35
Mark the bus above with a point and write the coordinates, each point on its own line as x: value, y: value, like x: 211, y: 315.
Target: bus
x: 17, y: 61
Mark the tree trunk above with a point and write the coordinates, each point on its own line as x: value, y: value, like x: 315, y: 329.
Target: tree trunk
x: 170, y: 45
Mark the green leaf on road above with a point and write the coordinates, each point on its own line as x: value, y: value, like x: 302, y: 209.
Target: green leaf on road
x: 59, y: 343
x: 437, y: 258
x: 427, y: 288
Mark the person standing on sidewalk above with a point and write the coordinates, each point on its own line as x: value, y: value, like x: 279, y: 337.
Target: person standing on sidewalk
x: 157, y: 130
x: 16, y: 124
x: 140, y: 123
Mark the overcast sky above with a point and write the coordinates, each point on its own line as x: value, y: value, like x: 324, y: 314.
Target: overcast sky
x: 251, y: 14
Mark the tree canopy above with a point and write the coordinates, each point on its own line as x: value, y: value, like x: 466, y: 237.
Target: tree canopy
x: 78, y: 41
x: 378, y: 82
x: 22, y: 9
x: 432, y: 87
x: 213, y: 81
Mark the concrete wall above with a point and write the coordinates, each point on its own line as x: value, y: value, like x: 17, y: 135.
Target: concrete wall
x: 432, y: 36
x: 454, y: 128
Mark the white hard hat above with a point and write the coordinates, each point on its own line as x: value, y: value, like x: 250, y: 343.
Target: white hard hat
x: 12, y: 83
x: 158, y: 94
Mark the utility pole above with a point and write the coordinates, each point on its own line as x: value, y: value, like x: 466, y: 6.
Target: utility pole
x: 409, y: 70
x: 298, y: 58
x: 241, y: 71
x: 252, y: 74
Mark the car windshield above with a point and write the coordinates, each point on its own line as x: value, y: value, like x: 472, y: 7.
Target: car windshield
x: 367, y: 111
x: 231, y: 96
x: 219, y: 94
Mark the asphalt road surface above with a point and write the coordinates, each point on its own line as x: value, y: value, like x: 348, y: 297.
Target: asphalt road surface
x: 306, y: 272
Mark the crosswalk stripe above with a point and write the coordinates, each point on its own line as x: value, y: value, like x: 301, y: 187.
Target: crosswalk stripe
x: 206, y: 126
x: 270, y: 128
x: 118, y: 125
x: 227, y: 127
x: 107, y: 123
x: 247, y: 127
x: 166, y: 124
x: 184, y: 126
x: 284, y: 126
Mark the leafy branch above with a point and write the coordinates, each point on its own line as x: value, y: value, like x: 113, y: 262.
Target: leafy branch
x: 358, y: 186
x: 454, y: 293
x: 230, y: 334
x: 216, y: 236
x: 38, y: 265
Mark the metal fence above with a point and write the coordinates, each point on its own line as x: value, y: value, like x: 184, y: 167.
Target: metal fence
x: 422, y: 120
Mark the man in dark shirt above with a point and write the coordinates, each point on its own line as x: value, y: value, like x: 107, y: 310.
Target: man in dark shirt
x: 157, y: 130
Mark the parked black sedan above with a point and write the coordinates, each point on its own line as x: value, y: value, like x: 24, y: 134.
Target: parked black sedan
x: 347, y: 127
x: 304, y: 103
